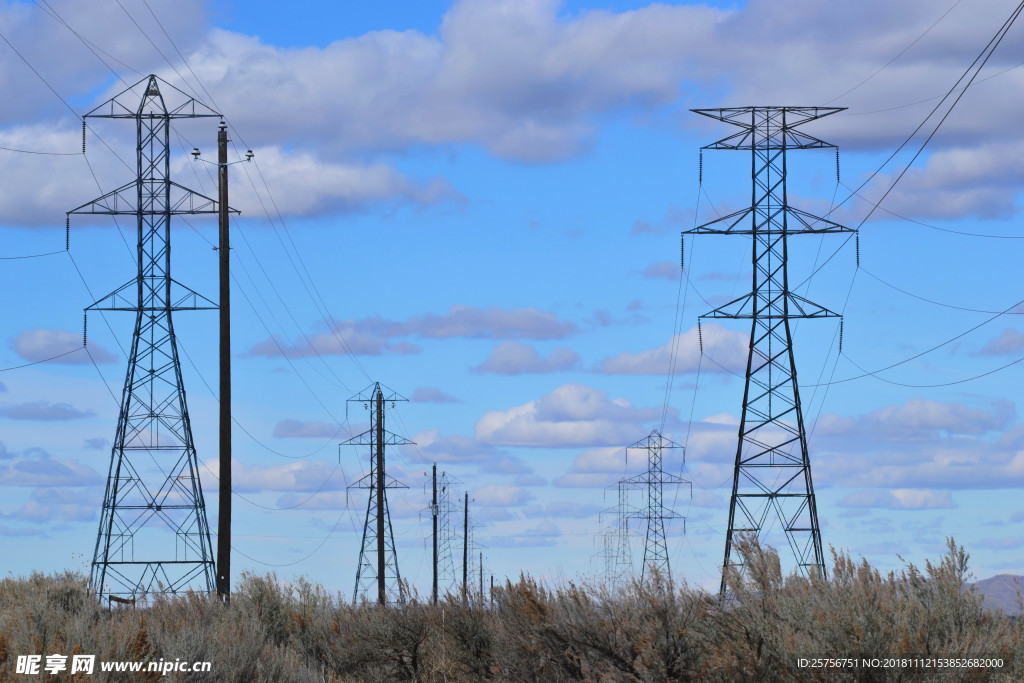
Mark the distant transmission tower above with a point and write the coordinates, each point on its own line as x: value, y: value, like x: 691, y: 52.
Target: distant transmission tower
x: 153, y: 488
x: 618, y: 560
x: 377, y: 571
x: 653, y: 482
x: 447, y: 577
x: 772, y: 471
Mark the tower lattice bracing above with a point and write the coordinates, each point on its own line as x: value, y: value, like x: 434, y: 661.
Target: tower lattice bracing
x: 772, y: 474
x: 655, y: 513
x: 377, y: 572
x: 153, y: 533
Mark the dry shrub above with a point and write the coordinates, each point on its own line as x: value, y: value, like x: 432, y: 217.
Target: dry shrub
x: 276, y: 631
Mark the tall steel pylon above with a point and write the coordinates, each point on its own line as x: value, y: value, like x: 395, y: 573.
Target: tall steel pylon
x: 653, y: 482
x: 772, y: 471
x: 153, y: 483
x: 378, y: 576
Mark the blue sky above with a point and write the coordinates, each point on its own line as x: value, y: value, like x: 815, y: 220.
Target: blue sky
x: 485, y: 198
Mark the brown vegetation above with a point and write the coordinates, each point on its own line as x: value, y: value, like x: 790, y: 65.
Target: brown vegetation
x: 530, y: 632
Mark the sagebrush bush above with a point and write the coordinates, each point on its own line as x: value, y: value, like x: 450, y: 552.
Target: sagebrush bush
x: 274, y: 631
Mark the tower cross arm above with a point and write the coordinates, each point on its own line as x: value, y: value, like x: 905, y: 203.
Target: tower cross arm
x: 125, y: 201
x: 126, y: 298
x: 151, y: 89
x: 367, y: 439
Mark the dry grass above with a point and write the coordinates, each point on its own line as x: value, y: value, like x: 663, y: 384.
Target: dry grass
x: 278, y: 632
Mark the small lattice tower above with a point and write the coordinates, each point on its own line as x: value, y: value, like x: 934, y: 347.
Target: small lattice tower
x: 654, y: 513
x: 377, y: 572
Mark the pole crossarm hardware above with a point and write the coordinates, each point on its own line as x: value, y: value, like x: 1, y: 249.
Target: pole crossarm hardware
x: 772, y: 472
x: 653, y: 482
x: 153, y: 534
x: 378, y: 536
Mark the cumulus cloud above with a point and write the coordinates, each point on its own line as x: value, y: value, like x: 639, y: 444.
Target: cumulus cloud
x: 37, y: 344
x: 563, y: 509
x: 920, y: 419
x: 532, y: 82
x: 453, y: 448
x: 44, y: 411
x: 1008, y: 342
x: 376, y: 335
x: 432, y: 395
x: 922, y: 444
x: 491, y: 322
x: 666, y: 270
x: 296, y: 476
x: 728, y: 348
x: 517, y: 358
x: 305, y: 185
x: 500, y: 496
x: 605, y: 467
x: 544, y: 534
x: 59, y: 504
x: 36, y: 467
x: 900, y: 499
x: 571, y: 415
x: 512, y: 76
x: 291, y: 429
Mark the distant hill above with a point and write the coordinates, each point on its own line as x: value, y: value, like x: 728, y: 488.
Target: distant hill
x: 1001, y: 592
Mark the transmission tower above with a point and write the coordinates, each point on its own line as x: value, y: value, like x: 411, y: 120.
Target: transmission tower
x: 378, y: 538
x: 772, y: 471
x: 447, y: 578
x: 153, y: 483
x: 655, y: 513
x: 618, y: 560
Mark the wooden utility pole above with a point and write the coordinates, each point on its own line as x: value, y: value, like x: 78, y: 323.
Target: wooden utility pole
x: 382, y: 591
x: 465, y: 550
x: 224, y: 250
x: 433, y: 512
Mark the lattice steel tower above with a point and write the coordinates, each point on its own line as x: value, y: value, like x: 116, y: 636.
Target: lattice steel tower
x: 618, y: 560
x: 379, y: 576
x: 153, y: 483
x: 447, y: 577
x: 655, y: 513
x: 772, y: 471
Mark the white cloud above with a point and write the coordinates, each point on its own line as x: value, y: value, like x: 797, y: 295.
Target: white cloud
x: 432, y: 395
x: 454, y: 448
x: 900, y: 499
x: 36, y: 467
x: 516, y: 358
x: 728, y: 348
x: 919, y: 419
x: 59, y: 504
x: 666, y: 270
x: 509, y: 75
x: 44, y: 411
x: 571, y: 415
x: 290, y: 429
x: 376, y: 335
x: 296, y: 476
x: 494, y: 495
x: 1008, y: 342
x: 37, y: 344
x: 304, y: 185
x: 544, y: 534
